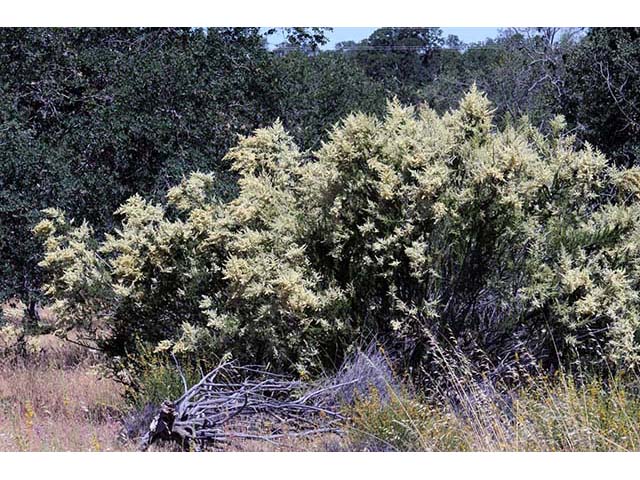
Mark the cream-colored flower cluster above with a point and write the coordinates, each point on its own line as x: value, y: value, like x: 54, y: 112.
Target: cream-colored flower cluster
x: 396, y: 225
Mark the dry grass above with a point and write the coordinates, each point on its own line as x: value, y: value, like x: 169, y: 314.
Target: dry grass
x: 55, y: 399
x: 316, y: 443
x: 47, y: 408
x: 469, y: 413
x: 53, y: 409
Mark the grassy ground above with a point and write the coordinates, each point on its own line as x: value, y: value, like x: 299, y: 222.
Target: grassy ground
x: 554, y: 416
x: 75, y: 409
x: 53, y: 409
x: 546, y: 413
x: 56, y: 400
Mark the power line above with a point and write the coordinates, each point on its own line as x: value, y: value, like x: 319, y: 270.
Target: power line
x: 390, y: 48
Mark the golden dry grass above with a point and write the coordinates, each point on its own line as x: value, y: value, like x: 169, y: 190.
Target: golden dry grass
x: 551, y: 414
x: 53, y: 409
x: 54, y: 399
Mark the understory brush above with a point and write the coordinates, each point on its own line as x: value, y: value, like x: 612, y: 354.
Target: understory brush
x: 468, y: 407
x: 469, y: 412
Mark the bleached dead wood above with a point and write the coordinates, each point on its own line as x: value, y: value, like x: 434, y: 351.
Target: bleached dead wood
x: 243, y: 402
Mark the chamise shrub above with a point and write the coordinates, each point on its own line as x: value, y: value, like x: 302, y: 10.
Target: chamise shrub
x: 405, y: 226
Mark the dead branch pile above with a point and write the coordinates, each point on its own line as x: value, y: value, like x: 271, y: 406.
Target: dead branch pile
x: 245, y: 402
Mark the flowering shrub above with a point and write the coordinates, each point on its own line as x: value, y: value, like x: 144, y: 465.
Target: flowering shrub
x: 411, y: 223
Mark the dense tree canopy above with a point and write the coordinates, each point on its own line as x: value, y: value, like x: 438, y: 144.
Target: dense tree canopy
x: 92, y: 116
x: 604, y: 101
x: 397, y: 58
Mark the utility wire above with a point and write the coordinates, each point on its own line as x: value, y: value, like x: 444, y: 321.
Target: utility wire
x: 391, y: 48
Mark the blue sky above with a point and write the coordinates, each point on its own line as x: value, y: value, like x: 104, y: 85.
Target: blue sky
x: 341, y: 34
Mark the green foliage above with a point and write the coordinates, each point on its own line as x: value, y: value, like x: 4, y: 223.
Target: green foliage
x: 523, y: 71
x: 603, y: 84
x: 157, y: 377
x: 303, y: 38
x: 89, y: 117
x: 25, y: 169
x: 401, y: 226
x: 396, y: 58
x: 317, y: 91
